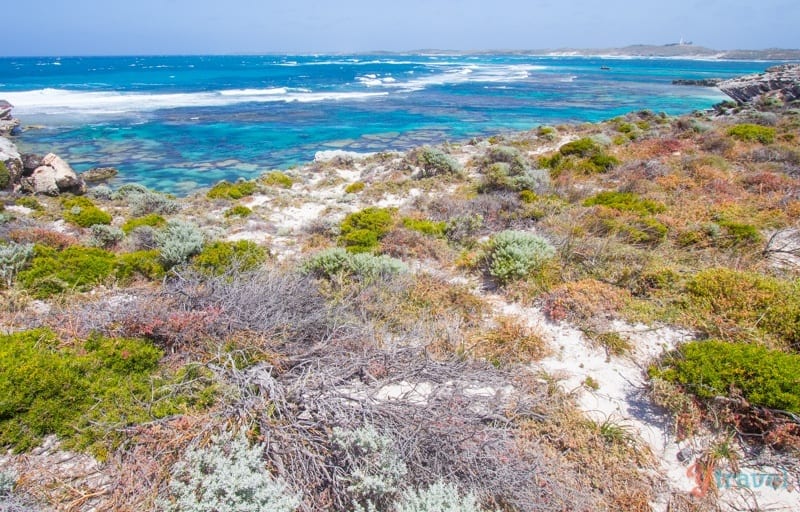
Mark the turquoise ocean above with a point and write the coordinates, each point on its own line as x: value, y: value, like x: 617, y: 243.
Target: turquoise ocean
x: 177, y: 123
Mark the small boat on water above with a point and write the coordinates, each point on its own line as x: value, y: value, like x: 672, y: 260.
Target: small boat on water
x: 605, y: 68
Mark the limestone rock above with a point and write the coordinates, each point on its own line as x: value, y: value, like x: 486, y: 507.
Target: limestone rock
x: 5, y: 110
x: 781, y: 82
x: 8, y: 125
x: 99, y: 174
x: 53, y: 177
x: 10, y: 156
x: 702, y: 82
x: 30, y: 161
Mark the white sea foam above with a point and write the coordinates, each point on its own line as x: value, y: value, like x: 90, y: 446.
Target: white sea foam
x: 477, y: 73
x: 70, y: 102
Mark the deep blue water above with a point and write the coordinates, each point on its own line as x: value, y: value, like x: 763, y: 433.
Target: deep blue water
x: 176, y: 123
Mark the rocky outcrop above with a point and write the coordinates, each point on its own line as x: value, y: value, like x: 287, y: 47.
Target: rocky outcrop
x: 702, y: 82
x: 52, y: 178
x: 30, y: 161
x: 779, y: 82
x: 99, y: 174
x: 8, y: 125
x: 11, y: 160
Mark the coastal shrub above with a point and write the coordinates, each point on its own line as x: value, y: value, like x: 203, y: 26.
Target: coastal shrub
x: 517, y: 164
x: 75, y: 268
x: 373, y: 469
x: 354, y: 187
x: 714, y: 368
x: 515, y: 254
x: 625, y: 202
x: 129, y: 189
x: 509, y: 341
x: 46, y: 388
x: 103, y: 192
x: 603, y: 162
x: 150, y: 202
x: 82, y: 212
x: 145, y: 263
x: 439, y: 497
x: 361, y: 231
x: 226, y: 474
x: 737, y: 234
x: 218, y: 257
x: 276, y: 179
x: 179, y: 241
x: 462, y: 227
x: 547, y: 132
x: 427, y: 227
x: 13, y: 258
x: 434, y: 162
x: 105, y: 236
x: 582, y: 147
x: 337, y: 261
x: 43, y: 236
x: 737, y: 304
x: 152, y: 219
x: 752, y: 133
x: 238, y: 211
x: 634, y: 230
x: 226, y: 190
x: 5, y: 176
x: 29, y: 202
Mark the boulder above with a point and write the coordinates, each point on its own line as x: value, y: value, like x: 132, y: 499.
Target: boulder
x: 30, y: 161
x: 780, y: 82
x: 53, y: 177
x: 99, y: 174
x: 11, y: 161
x: 5, y: 110
x: 8, y: 125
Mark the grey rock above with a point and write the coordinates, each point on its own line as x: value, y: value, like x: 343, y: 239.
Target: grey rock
x: 30, y: 161
x: 99, y: 174
x: 53, y: 177
x: 780, y: 82
x: 5, y: 110
x: 10, y: 156
x: 9, y: 126
x: 702, y: 82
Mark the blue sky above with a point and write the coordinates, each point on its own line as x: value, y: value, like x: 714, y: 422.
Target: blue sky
x: 104, y: 27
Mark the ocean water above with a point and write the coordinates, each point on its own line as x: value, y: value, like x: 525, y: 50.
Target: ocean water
x: 177, y: 123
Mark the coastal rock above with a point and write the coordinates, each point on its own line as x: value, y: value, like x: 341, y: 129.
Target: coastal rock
x: 10, y: 157
x: 8, y: 125
x: 780, y: 82
x: 99, y: 174
x: 53, y: 177
x: 5, y: 110
x: 702, y: 82
x: 30, y: 161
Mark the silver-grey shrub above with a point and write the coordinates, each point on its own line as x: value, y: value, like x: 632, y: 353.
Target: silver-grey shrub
x: 373, y: 470
x: 434, y: 162
x: 151, y: 202
x: 13, y: 258
x: 365, y: 266
x: 105, y: 236
x: 179, y: 241
x: 514, y: 254
x: 226, y: 475
x: 439, y: 497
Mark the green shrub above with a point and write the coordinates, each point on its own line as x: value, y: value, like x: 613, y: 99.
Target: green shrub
x: 226, y: 190
x: 337, y: 261
x: 427, y: 227
x: 462, y: 227
x: 738, y: 233
x: 178, y: 242
x: 75, y: 268
x: 638, y: 230
x: 354, y: 187
x: 29, y: 202
x: 73, y: 392
x: 517, y: 164
x: 238, y: 211
x: 434, y: 162
x: 745, y: 305
x: 625, y: 202
x: 582, y: 147
x: 153, y: 220
x: 82, y: 212
x: 5, y: 176
x: 226, y: 474
x: 528, y: 196
x: 218, y: 257
x: 143, y: 263
x: 361, y: 231
x: 752, y: 133
x: 708, y: 369
x: 515, y: 254
x: 105, y: 236
x: 276, y: 179
x: 13, y: 258
x: 603, y: 162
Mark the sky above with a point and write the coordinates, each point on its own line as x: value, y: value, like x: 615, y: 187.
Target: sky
x: 147, y: 27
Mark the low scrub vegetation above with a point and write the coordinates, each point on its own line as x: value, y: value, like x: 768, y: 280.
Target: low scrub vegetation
x: 227, y: 190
